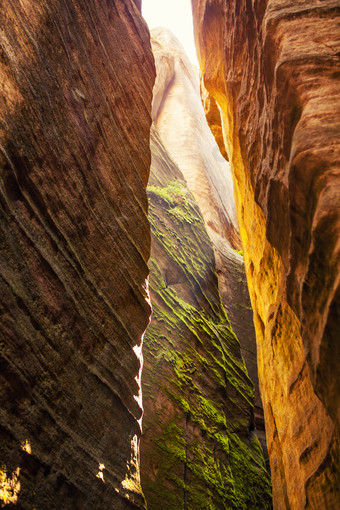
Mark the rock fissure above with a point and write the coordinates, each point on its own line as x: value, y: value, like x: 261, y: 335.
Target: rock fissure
x: 199, y: 448
x: 240, y: 246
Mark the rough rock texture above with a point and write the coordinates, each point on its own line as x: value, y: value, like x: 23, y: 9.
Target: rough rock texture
x: 272, y: 67
x: 198, y: 449
x: 180, y: 120
x: 213, y: 116
x: 76, y: 86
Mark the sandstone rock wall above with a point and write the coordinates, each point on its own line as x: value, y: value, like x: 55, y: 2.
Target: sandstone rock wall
x: 179, y: 118
x: 198, y: 448
x: 76, y: 84
x: 181, y: 123
x: 272, y: 67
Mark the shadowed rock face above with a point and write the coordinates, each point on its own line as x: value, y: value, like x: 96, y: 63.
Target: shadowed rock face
x: 198, y: 448
x: 76, y: 83
x: 180, y: 120
x: 272, y: 67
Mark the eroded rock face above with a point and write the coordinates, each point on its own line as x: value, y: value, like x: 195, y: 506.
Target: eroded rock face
x: 272, y: 68
x: 76, y: 85
x: 198, y: 448
x: 180, y: 120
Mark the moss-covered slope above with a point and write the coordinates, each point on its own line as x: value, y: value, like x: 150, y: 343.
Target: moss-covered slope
x: 199, y: 450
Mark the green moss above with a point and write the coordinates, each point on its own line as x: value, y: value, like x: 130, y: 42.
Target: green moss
x: 198, y: 397
x: 174, y: 192
x: 252, y: 487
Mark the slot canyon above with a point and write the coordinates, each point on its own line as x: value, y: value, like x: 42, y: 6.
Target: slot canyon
x: 169, y: 257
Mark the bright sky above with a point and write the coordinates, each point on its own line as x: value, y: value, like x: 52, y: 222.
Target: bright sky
x: 175, y: 15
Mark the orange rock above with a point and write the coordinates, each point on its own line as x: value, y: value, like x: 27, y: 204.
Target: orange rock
x: 272, y: 68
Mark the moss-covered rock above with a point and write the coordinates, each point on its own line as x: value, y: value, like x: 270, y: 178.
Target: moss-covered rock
x: 199, y: 450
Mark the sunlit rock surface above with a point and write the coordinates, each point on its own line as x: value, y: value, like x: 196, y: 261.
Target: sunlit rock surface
x: 272, y: 67
x: 179, y: 117
x: 76, y: 84
x: 198, y: 448
x: 180, y: 120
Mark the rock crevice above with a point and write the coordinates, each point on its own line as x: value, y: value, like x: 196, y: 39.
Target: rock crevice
x: 199, y: 448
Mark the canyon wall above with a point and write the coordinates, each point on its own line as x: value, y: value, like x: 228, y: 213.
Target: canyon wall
x: 199, y: 448
x: 272, y: 69
x: 179, y: 117
x: 76, y: 84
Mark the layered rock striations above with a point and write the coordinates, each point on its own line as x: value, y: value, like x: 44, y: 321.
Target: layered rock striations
x: 180, y: 121
x: 76, y: 86
x: 198, y: 448
x: 272, y: 68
